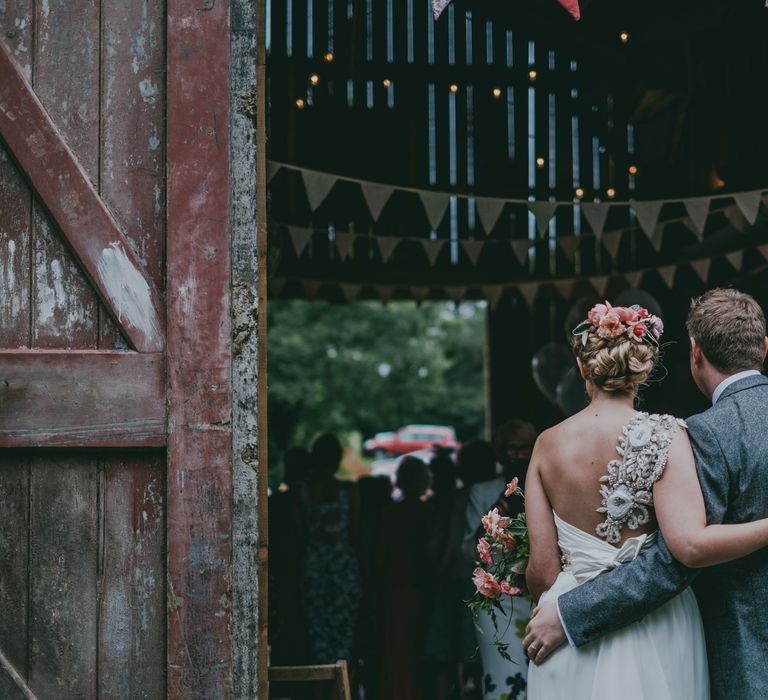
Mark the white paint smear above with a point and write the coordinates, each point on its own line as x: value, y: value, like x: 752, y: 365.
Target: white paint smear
x: 128, y: 290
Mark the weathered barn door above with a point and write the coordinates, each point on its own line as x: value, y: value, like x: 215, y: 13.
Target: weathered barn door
x: 128, y: 550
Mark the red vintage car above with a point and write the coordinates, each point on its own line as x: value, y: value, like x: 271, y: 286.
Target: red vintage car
x: 410, y: 438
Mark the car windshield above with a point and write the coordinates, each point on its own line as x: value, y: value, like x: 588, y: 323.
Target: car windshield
x: 422, y: 437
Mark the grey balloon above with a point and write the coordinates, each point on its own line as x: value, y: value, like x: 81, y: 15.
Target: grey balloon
x: 571, y: 394
x: 549, y: 366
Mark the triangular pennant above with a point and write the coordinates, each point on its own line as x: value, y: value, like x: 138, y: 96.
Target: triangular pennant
x: 701, y: 268
x: 385, y: 292
x: 647, y: 215
x: 473, y: 250
x: 438, y: 6
x: 571, y: 5
x: 520, y: 249
x: 564, y: 288
x: 432, y: 249
x: 611, y: 240
x: 300, y: 238
x: 599, y: 284
x: 529, y: 292
x: 763, y: 250
x: 311, y: 287
x: 569, y: 245
x: 657, y: 239
x: 595, y: 213
x: 493, y: 293
x: 692, y: 228
x: 736, y: 258
x: 455, y: 294
x: 633, y: 278
x: 667, y: 273
x: 317, y: 186
x: 419, y: 293
x: 345, y: 243
x: 349, y: 291
x: 489, y: 210
x: 435, y: 206
x: 376, y: 197
x: 735, y: 217
x: 387, y: 245
x: 749, y: 203
x: 698, y: 210
x: 543, y: 211
x: 272, y: 170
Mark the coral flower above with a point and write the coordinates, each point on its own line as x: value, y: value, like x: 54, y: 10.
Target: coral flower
x: 509, y: 590
x: 494, y: 522
x: 597, y: 312
x: 486, y: 584
x: 484, y: 550
x: 511, y: 487
x: 610, y: 326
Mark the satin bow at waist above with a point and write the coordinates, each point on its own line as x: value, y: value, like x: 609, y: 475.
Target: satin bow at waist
x: 588, y: 556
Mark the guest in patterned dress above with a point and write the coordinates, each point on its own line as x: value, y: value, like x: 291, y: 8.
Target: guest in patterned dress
x: 331, y: 571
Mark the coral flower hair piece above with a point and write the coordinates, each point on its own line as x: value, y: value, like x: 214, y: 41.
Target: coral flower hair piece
x: 633, y: 322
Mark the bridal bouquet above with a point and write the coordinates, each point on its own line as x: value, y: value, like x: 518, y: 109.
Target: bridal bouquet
x: 503, y: 552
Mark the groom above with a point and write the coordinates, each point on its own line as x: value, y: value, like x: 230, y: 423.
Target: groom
x: 730, y: 442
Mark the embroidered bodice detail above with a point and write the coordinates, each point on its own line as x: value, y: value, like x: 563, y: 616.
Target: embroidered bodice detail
x: 627, y: 489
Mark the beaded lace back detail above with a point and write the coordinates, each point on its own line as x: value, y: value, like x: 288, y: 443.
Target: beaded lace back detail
x: 627, y: 489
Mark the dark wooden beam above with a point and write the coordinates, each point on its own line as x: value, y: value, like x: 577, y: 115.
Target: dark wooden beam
x: 88, y: 226
x: 86, y: 399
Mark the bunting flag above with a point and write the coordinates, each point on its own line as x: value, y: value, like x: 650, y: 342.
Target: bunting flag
x: 493, y: 294
x: 668, y: 274
x: 647, y: 214
x: 698, y: 211
x: 345, y: 243
x: 435, y: 205
x: 595, y: 214
x: 657, y: 239
x: 489, y: 210
x: 569, y: 245
x: 611, y: 241
x: 736, y: 258
x: 473, y: 250
x: 317, y: 186
x: 438, y: 6
x: 701, y: 268
x: 432, y: 249
x: 543, y: 211
x: 749, y: 204
x: 600, y: 284
x: 572, y: 6
x: 529, y: 292
x: 376, y: 197
x: 387, y: 245
x: 385, y: 292
x: 763, y: 250
x: 633, y: 278
x: 735, y: 217
x: 520, y: 249
x: 692, y: 228
x: 455, y: 293
x: 272, y: 170
x: 419, y: 293
x: 349, y: 291
x: 564, y: 288
x: 311, y: 287
x: 300, y: 238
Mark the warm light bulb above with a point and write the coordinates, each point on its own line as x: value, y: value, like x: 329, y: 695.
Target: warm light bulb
x: 387, y: 82
x: 579, y: 192
x: 328, y: 57
x: 610, y: 192
x: 497, y: 92
x: 532, y: 74
x: 454, y: 88
x: 624, y: 37
x: 300, y: 103
x: 314, y: 78
x: 540, y: 162
x: 633, y: 170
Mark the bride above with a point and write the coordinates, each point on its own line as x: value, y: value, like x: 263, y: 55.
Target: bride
x: 599, y: 485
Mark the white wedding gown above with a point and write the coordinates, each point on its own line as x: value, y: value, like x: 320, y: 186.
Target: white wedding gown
x: 661, y: 657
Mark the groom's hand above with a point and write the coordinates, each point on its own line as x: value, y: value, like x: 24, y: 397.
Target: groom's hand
x: 544, y: 633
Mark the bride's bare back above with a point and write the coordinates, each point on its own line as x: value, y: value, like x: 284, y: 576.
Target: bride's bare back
x: 573, y: 456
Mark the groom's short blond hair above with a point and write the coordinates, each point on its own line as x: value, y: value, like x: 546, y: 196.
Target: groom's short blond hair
x: 729, y: 327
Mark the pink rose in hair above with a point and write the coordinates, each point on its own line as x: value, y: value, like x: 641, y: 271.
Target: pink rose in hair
x: 597, y: 312
x: 511, y: 487
x: 610, y: 326
x: 485, y: 583
x: 626, y: 314
x: 484, y: 550
x: 509, y: 590
x: 642, y: 312
x: 636, y: 331
x: 494, y: 522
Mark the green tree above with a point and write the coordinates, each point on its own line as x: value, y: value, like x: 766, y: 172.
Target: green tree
x: 369, y: 367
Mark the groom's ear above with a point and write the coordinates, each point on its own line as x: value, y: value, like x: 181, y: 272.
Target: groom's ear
x: 696, y: 354
x: 765, y: 348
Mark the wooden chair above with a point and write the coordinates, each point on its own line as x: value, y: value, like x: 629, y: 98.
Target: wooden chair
x: 332, y: 672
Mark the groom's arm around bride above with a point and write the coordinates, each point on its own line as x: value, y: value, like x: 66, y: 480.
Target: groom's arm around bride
x: 730, y: 443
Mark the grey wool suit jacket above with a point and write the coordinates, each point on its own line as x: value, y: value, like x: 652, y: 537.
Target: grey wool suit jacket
x: 730, y: 442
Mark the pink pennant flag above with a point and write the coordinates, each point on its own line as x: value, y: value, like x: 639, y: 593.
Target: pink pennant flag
x: 573, y: 8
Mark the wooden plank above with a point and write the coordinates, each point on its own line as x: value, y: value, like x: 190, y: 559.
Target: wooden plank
x: 15, y: 198
x: 132, y: 604
x: 96, y: 398
x: 132, y: 162
x: 63, y: 576
x: 62, y: 184
x: 199, y: 332
x: 14, y: 514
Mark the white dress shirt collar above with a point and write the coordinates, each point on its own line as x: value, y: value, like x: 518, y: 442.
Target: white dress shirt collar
x: 722, y: 386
